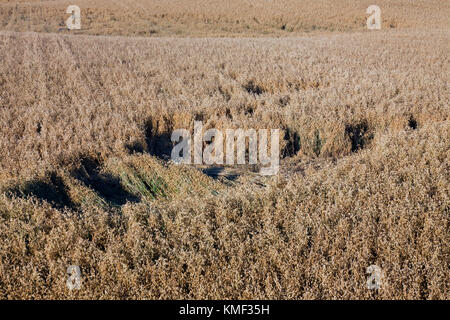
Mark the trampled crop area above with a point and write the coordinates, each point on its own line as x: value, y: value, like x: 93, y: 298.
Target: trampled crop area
x: 86, y: 179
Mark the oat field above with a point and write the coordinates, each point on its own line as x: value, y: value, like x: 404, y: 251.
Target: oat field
x: 85, y: 123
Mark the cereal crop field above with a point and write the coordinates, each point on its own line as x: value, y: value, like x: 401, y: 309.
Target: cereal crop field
x: 86, y: 179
